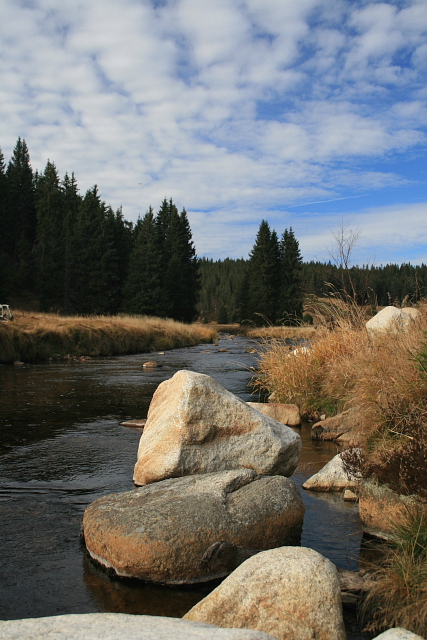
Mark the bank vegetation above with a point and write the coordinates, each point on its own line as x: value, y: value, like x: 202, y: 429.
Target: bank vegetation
x: 385, y: 380
x: 35, y: 337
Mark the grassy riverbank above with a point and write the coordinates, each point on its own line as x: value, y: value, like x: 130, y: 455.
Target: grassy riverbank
x: 385, y: 381
x: 40, y: 336
x: 303, y: 332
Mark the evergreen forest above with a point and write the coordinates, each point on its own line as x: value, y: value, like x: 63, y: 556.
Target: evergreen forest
x: 72, y: 254
x: 69, y: 253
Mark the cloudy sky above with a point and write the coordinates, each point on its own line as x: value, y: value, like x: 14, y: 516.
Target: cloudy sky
x: 306, y: 113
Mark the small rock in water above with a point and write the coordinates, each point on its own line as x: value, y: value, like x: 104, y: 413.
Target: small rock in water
x: 150, y: 364
x: 350, y: 496
x: 332, y: 477
x: 137, y: 424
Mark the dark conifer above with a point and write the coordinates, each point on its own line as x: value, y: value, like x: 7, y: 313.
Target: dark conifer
x: 49, y: 250
x: 263, y: 276
x: 94, y: 271
x: 20, y: 219
x: 143, y: 294
x: 71, y: 206
x: 291, y: 295
x: 180, y: 280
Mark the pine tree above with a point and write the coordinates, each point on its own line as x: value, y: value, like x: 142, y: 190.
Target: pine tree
x: 49, y: 250
x: 291, y: 295
x: 263, y: 276
x: 20, y: 219
x: 180, y: 280
x: 143, y: 293
x: 94, y: 269
x: 71, y: 206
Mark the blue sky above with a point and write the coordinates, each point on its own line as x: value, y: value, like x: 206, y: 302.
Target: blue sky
x: 306, y: 113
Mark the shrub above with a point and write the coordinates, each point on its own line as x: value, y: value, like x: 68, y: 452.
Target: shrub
x: 399, y: 595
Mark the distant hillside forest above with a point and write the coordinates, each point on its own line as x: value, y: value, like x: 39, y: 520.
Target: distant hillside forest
x: 223, y: 285
x: 69, y: 253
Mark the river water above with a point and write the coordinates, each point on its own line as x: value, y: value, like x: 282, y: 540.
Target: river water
x: 62, y: 447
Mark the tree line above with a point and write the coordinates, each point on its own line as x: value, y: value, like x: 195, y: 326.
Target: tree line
x: 72, y: 254
x: 224, y: 287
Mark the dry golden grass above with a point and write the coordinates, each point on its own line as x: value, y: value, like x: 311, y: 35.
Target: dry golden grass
x: 343, y: 364
x: 39, y: 336
x: 399, y: 595
x: 302, y: 332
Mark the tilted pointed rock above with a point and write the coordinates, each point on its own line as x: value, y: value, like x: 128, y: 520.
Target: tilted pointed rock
x: 195, y: 426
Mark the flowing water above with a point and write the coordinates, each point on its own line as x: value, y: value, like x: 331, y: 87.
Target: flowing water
x: 62, y: 447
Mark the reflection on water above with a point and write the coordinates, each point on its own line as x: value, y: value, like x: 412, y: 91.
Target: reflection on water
x: 331, y: 526
x: 62, y: 447
x: 132, y: 596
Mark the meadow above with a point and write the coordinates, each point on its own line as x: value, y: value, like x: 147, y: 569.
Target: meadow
x: 32, y: 336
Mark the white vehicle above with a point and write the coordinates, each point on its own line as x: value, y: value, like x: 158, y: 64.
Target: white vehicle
x: 5, y: 313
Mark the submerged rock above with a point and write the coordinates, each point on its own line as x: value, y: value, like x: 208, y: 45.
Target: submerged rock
x: 120, y: 626
x: 195, y: 426
x: 161, y: 532
x: 291, y: 592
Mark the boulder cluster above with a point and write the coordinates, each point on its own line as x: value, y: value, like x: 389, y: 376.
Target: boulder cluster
x: 210, y: 469
x: 214, y: 499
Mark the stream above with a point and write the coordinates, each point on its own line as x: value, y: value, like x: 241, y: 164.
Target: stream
x: 62, y: 447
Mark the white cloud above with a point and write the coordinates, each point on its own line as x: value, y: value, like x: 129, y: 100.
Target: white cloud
x: 236, y: 107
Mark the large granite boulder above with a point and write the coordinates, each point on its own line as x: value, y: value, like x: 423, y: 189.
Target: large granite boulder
x: 332, y: 477
x: 195, y: 426
x: 288, y: 414
x: 119, y: 626
x: 398, y: 633
x: 161, y: 532
x: 392, y: 320
x: 291, y: 592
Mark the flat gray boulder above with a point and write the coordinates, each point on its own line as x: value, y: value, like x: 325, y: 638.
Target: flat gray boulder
x: 332, y: 477
x: 291, y: 592
x: 162, y: 532
x: 195, y: 426
x: 119, y: 626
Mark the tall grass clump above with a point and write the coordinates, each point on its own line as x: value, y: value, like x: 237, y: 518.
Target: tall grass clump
x: 398, y: 597
x: 319, y: 375
x: 38, y: 336
x: 342, y: 366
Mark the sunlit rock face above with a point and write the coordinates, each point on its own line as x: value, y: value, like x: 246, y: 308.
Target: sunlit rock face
x: 161, y: 532
x: 291, y: 592
x: 116, y: 626
x: 196, y: 426
x: 392, y: 320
